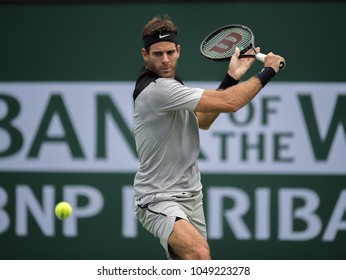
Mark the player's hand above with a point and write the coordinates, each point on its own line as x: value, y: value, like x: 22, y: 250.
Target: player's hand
x: 273, y: 60
x: 239, y: 66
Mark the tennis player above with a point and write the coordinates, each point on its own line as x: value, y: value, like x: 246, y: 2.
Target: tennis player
x: 167, y: 117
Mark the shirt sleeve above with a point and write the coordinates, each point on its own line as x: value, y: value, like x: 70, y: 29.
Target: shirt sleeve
x: 169, y: 95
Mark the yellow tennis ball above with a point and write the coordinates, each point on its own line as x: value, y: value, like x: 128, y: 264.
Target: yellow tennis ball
x: 63, y: 210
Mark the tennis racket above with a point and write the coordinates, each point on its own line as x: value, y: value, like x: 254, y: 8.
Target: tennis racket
x: 220, y: 44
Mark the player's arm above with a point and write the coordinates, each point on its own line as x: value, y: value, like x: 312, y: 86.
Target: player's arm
x: 236, y: 69
x: 214, y: 102
x: 231, y: 99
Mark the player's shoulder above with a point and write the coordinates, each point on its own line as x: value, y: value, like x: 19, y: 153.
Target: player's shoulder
x: 168, y: 84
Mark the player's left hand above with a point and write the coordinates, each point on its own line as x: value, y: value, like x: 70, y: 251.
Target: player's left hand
x: 239, y: 66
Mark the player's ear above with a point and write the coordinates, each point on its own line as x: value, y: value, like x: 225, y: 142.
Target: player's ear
x: 145, y: 54
x: 178, y: 50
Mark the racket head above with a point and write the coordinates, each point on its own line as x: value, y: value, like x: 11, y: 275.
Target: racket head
x: 220, y: 44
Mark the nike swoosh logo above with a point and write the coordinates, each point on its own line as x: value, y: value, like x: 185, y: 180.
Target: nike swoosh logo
x: 163, y: 36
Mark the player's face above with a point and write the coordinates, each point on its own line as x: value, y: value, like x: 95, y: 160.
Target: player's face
x: 162, y: 58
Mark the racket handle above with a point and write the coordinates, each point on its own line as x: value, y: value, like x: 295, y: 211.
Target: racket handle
x: 261, y: 56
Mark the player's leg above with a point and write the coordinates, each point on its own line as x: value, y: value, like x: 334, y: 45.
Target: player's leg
x: 187, y: 243
x: 178, y: 236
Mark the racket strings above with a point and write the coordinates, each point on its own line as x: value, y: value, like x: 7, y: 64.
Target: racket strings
x: 223, y: 44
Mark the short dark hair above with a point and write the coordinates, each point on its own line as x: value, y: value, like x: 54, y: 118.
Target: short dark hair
x: 157, y: 25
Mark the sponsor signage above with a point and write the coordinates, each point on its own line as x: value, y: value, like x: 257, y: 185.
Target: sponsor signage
x: 288, y: 128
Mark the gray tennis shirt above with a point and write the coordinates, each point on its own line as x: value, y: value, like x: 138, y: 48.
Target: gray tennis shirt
x: 167, y: 138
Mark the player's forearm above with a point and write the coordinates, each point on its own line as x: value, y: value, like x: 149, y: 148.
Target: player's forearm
x: 243, y: 93
x: 231, y: 99
x: 240, y: 95
x: 234, y: 97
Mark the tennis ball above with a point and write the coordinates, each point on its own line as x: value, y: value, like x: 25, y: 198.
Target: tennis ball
x: 63, y: 210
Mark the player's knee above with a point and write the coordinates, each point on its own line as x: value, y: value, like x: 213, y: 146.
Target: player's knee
x: 202, y: 253
x: 194, y: 252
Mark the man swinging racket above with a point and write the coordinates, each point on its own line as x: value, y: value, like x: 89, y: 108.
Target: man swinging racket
x: 167, y: 117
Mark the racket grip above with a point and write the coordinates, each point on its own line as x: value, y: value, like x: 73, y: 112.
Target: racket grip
x: 261, y: 56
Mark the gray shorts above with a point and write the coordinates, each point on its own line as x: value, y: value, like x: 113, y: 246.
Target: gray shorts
x: 159, y: 212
